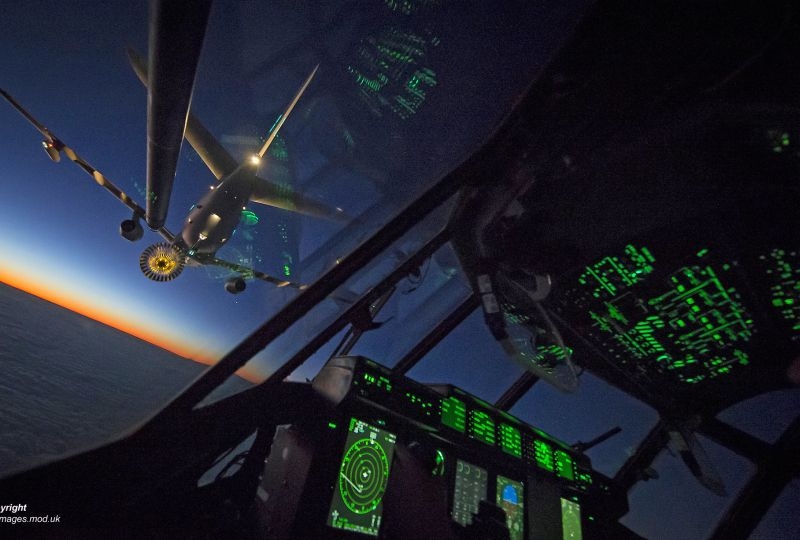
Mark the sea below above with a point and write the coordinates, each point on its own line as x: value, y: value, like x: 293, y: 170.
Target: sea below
x: 68, y: 382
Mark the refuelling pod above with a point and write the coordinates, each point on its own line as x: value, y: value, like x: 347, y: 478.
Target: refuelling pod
x: 131, y: 230
x: 235, y: 285
x: 52, y: 151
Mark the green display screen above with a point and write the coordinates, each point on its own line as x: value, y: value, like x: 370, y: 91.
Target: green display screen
x: 684, y: 320
x: 363, y: 476
x: 564, y: 465
x: 543, y: 453
x: 454, y: 414
x: 511, y: 498
x: 510, y: 440
x: 571, y: 520
x: 468, y: 492
x: 481, y: 427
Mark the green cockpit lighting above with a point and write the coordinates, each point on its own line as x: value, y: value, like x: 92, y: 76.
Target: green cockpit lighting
x: 390, y: 73
x: 782, y: 269
x: 249, y: 218
x: 688, y: 323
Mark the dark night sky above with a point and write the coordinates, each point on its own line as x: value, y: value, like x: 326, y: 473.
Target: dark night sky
x: 67, y: 65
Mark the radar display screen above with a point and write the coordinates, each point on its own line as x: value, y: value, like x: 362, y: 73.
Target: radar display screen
x: 510, y: 497
x: 571, y: 520
x: 363, y: 475
x: 470, y: 490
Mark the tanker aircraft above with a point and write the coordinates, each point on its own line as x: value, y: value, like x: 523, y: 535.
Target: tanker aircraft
x: 212, y: 220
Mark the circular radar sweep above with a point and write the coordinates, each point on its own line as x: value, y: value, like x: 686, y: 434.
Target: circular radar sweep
x: 161, y: 262
x: 363, y: 476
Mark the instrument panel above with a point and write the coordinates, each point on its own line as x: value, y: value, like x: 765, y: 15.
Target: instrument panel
x: 496, y: 470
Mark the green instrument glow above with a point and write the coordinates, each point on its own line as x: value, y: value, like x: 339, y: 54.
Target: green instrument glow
x: 571, y: 520
x: 249, y: 218
x: 481, y: 427
x: 689, y: 324
x: 543, y: 453
x: 783, y: 273
x: 389, y: 72
x: 510, y: 440
x: 363, y: 476
x: 564, y: 465
x: 511, y: 498
x: 454, y: 414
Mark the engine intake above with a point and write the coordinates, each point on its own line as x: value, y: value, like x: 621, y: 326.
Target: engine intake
x: 131, y: 230
x: 235, y: 285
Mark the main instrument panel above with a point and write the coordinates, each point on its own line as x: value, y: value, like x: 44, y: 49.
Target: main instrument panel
x: 481, y: 466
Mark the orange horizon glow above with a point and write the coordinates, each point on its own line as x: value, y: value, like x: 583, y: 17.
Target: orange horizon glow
x: 64, y: 299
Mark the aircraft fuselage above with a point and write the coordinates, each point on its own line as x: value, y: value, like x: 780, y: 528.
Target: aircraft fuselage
x: 211, y: 221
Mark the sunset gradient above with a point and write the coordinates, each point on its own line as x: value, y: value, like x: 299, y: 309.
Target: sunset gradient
x: 154, y: 333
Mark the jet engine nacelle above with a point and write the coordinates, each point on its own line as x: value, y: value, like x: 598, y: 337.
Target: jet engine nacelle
x: 131, y: 230
x: 52, y: 151
x: 235, y: 285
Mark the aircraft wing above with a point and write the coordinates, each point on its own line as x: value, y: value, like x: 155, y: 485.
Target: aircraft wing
x: 55, y: 147
x: 342, y: 296
x: 267, y: 193
x: 246, y: 271
x: 221, y: 163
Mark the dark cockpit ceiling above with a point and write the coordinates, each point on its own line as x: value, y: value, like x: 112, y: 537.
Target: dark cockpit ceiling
x: 656, y: 167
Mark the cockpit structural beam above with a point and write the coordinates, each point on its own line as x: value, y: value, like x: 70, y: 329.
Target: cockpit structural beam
x: 742, y: 443
x: 359, y: 306
x: 437, y: 334
x: 515, y: 392
x: 779, y: 467
x: 363, y: 324
x: 633, y: 469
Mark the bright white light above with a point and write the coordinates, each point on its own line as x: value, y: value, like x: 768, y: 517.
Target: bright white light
x: 255, y: 160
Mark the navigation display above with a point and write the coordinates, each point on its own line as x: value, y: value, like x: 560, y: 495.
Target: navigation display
x: 511, y: 498
x: 571, y: 520
x: 470, y: 490
x: 363, y: 475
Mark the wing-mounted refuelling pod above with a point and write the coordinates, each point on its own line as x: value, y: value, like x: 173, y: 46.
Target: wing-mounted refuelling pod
x: 131, y: 229
x: 52, y: 151
x: 51, y: 144
x: 176, y: 38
